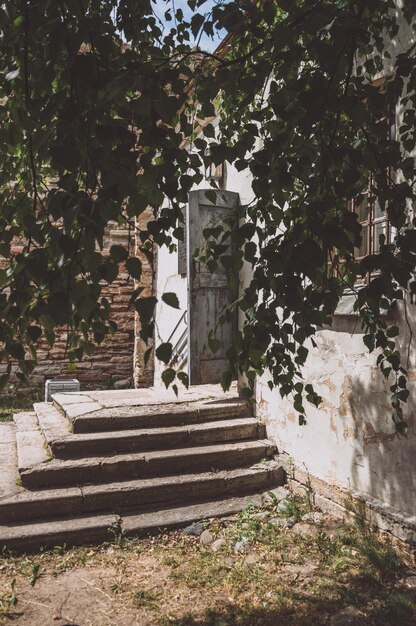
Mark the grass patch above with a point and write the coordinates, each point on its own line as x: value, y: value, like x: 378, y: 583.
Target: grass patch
x: 19, y: 399
x: 144, y: 597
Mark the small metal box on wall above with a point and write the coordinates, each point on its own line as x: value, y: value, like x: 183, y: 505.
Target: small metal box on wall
x: 60, y: 385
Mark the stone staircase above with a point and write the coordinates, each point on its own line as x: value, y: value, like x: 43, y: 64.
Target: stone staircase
x: 72, y: 473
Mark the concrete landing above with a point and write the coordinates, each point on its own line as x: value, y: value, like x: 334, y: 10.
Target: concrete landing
x: 75, y: 405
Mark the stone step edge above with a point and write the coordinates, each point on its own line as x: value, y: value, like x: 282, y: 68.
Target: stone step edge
x: 56, y: 427
x: 9, y: 473
x: 45, y: 474
x: 68, y: 464
x: 32, y: 447
x: 168, y: 414
x: 125, y: 495
x: 105, y: 443
x: 81, y: 405
x: 97, y: 529
x: 56, y: 430
x: 52, y: 422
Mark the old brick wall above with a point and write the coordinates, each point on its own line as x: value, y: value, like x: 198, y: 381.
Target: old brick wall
x: 119, y: 360
x: 143, y: 373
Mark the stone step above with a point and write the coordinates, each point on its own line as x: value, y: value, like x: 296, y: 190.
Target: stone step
x: 94, y: 444
x: 53, y: 424
x: 142, y: 494
x: 58, y: 473
x: 96, y: 529
x: 32, y: 447
x: 156, y: 416
x: 9, y: 474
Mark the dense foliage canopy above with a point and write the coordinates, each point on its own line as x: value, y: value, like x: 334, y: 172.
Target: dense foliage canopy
x: 97, y: 98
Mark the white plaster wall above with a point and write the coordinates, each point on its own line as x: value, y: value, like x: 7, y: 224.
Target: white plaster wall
x: 168, y: 280
x: 350, y: 440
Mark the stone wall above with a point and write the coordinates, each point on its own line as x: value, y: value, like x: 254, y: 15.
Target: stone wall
x: 143, y: 373
x: 119, y: 360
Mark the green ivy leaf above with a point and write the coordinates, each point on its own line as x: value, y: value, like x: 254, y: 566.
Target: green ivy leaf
x: 134, y: 267
x: 214, y: 344
x: 118, y: 253
x: 226, y: 379
x: 145, y: 306
x: 197, y: 22
x: 168, y: 376
x: 184, y: 378
x: 164, y: 352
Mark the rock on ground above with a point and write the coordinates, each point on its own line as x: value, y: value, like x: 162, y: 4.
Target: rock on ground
x: 218, y: 544
x: 349, y: 616
x: 194, y: 530
x: 241, y: 546
x: 283, y: 522
x: 306, y: 529
x: 206, y: 538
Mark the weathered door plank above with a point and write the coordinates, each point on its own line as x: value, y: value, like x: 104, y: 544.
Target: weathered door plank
x: 208, y: 294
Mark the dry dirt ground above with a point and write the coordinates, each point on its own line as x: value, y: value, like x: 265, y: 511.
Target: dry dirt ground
x: 277, y: 566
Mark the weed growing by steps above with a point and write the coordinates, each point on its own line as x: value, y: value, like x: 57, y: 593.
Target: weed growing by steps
x: 8, y: 604
x: 293, y: 505
x: 9, y: 600
x: 34, y: 573
x: 246, y: 527
x: 117, y: 532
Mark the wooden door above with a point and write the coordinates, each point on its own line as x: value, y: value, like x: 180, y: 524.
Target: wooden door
x: 208, y: 294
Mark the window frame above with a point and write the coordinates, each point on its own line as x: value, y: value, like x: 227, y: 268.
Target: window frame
x: 372, y: 220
